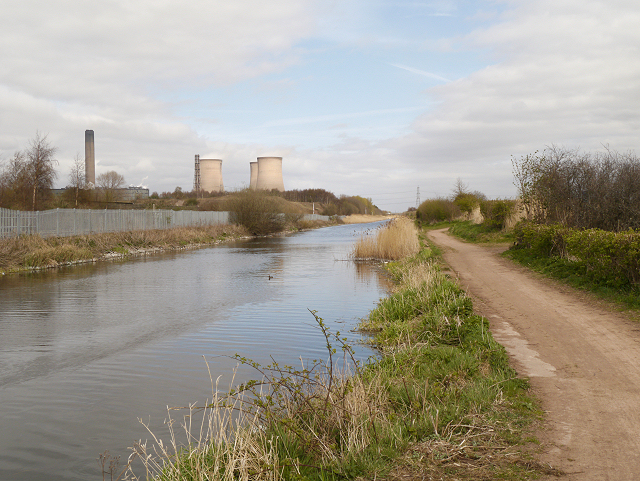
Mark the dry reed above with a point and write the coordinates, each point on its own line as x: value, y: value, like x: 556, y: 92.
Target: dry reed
x: 221, y: 441
x: 394, y: 240
x: 255, y: 431
x: 33, y: 251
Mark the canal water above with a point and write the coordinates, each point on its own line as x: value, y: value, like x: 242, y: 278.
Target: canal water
x: 86, y: 352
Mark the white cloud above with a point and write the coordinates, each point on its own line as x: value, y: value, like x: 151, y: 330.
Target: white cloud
x: 555, y: 71
x: 564, y: 73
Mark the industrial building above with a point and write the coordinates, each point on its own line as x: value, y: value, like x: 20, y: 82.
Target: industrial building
x: 89, y: 158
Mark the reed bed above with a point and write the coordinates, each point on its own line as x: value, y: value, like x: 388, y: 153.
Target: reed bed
x: 32, y: 252
x: 394, y: 240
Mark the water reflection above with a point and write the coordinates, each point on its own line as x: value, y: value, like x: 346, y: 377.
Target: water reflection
x: 86, y: 351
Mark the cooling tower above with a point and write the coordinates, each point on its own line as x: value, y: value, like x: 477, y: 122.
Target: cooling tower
x: 89, y: 158
x: 211, y: 175
x: 270, y: 174
x: 253, y: 182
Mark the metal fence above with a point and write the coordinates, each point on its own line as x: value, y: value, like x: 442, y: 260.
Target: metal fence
x: 68, y: 222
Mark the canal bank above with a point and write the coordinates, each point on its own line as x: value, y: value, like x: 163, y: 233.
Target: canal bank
x: 86, y: 351
x: 33, y: 252
x: 441, y: 402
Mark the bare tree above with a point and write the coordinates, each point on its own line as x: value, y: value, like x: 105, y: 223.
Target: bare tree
x: 77, y: 177
x: 581, y: 189
x: 109, y: 183
x: 460, y: 188
x: 40, y: 168
x: 27, y: 180
x: 14, y: 190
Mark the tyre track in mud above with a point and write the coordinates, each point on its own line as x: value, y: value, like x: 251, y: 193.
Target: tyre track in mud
x: 582, y: 360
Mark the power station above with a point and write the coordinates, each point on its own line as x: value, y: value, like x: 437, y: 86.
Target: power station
x: 264, y: 174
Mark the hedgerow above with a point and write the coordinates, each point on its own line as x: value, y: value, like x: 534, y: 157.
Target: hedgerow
x: 612, y: 256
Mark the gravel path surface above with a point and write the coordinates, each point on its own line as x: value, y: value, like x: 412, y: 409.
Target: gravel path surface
x: 582, y: 358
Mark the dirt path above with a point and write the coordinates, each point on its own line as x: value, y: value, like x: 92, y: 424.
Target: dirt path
x: 583, y: 361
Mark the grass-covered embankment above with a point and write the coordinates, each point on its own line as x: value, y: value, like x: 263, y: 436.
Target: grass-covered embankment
x: 440, y: 402
x: 33, y: 252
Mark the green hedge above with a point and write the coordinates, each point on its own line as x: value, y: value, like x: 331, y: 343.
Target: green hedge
x: 607, y: 255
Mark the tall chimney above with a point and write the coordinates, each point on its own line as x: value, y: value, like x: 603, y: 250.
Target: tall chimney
x: 89, y: 158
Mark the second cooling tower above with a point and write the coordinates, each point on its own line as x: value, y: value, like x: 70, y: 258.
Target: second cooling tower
x: 270, y: 174
x: 253, y: 180
x: 211, y: 175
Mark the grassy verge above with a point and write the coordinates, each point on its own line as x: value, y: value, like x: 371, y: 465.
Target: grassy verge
x: 440, y: 402
x: 480, y: 233
x: 578, y: 275
x: 565, y: 268
x: 32, y: 252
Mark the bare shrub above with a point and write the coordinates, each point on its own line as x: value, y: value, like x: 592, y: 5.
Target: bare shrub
x: 257, y: 211
x: 583, y: 190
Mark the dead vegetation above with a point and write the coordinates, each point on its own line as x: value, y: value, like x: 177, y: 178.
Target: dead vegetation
x: 394, y: 240
x: 28, y: 252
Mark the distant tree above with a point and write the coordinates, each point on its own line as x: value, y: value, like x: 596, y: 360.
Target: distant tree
x: 177, y: 193
x: 466, y: 200
x: 77, y: 178
x: 14, y: 192
x: 28, y: 179
x: 40, y: 168
x: 109, y: 183
x: 460, y: 188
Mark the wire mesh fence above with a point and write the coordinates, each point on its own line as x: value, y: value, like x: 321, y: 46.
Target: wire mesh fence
x: 69, y: 222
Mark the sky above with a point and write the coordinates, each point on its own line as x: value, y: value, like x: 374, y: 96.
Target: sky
x: 379, y: 98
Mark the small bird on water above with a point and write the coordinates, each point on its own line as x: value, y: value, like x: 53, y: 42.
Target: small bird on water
x: 270, y: 277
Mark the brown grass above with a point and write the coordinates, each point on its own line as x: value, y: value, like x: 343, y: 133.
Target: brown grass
x: 392, y: 241
x: 27, y: 252
x: 233, y: 437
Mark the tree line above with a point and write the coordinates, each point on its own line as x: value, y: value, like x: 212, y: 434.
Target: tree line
x: 27, y: 180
